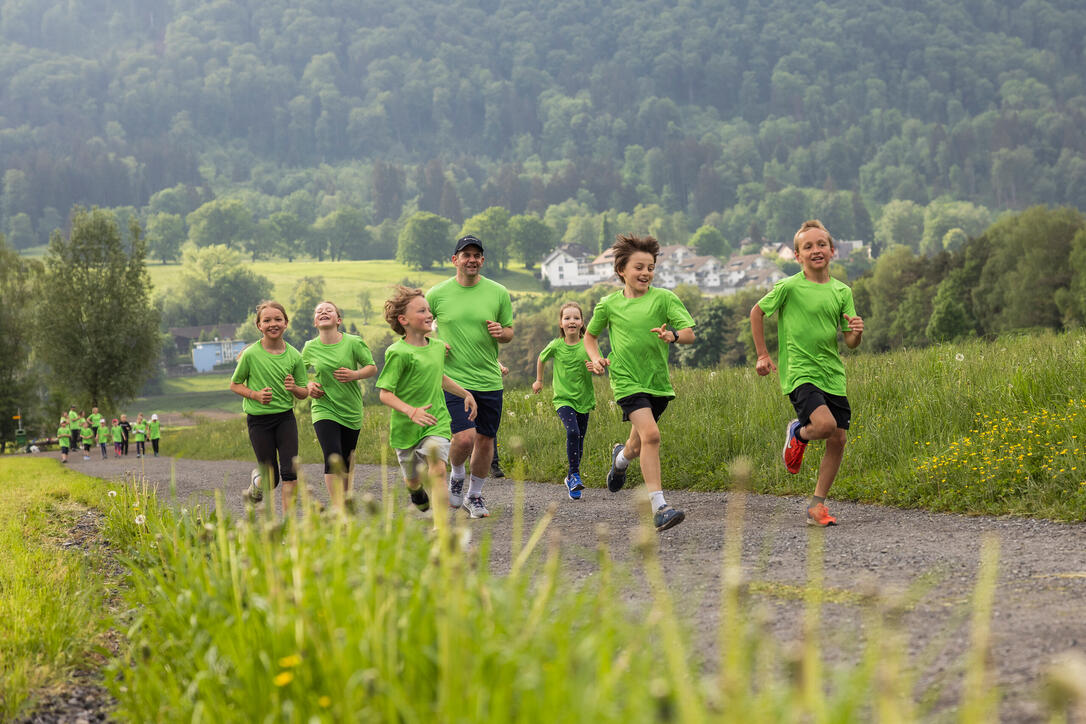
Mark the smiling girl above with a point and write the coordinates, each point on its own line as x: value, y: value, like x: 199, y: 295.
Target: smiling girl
x: 265, y: 377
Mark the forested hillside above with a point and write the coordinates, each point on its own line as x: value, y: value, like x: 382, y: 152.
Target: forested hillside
x: 741, y: 115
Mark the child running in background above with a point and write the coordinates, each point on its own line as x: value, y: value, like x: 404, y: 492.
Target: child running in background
x: 86, y: 436
x: 638, y: 317
x: 412, y: 384
x: 103, y: 437
x: 339, y: 362
x: 812, y: 305
x: 574, y: 397
x: 154, y: 432
x: 118, y: 438
x: 139, y: 428
x: 266, y: 377
x: 64, y: 438
x: 95, y: 419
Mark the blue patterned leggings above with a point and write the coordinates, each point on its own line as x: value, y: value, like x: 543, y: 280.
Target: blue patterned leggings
x: 576, y: 424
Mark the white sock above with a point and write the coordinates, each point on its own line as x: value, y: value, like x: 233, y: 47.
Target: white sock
x: 621, y: 462
x: 475, y: 487
x: 656, y: 500
x: 458, y: 471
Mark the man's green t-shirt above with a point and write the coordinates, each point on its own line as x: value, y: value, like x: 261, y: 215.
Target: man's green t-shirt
x: 73, y: 417
x: 118, y: 433
x: 342, y: 401
x: 257, y: 368
x: 414, y: 375
x: 810, y: 316
x: 572, y: 381
x: 153, y: 430
x: 461, y: 314
x: 103, y: 434
x: 64, y: 436
x: 638, y: 360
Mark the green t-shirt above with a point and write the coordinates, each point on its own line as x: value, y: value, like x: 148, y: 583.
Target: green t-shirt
x: 140, y: 428
x: 342, y: 401
x: 461, y: 314
x: 118, y: 433
x: 257, y: 368
x: 638, y: 360
x: 153, y: 430
x: 103, y: 434
x: 414, y: 375
x: 86, y: 435
x: 64, y: 435
x: 73, y: 418
x: 95, y: 419
x: 572, y: 381
x: 811, y: 315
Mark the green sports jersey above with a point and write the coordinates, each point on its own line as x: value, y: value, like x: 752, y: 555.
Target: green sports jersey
x: 153, y: 431
x: 86, y: 435
x: 95, y: 419
x: 810, y: 316
x: 638, y: 360
x: 257, y: 368
x: 103, y: 434
x: 118, y: 433
x: 73, y: 418
x: 64, y: 436
x: 414, y: 375
x: 342, y: 401
x: 572, y: 381
x: 461, y: 314
x: 140, y: 428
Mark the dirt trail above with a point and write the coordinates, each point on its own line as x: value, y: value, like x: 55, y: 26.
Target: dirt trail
x: 1040, y: 600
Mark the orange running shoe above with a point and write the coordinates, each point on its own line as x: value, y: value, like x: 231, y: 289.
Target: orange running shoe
x: 820, y: 515
x: 793, y: 448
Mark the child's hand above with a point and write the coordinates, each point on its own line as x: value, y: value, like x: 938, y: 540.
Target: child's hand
x: 420, y: 416
x: 264, y: 396
x: 597, y: 367
x: 662, y: 333
x: 494, y: 329
x: 288, y: 382
x: 315, y: 390
x: 537, y: 386
x: 855, y: 324
x: 470, y: 407
x: 765, y: 365
x: 345, y: 375
x: 503, y: 368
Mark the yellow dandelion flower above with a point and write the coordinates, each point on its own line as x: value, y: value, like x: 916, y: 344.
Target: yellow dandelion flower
x: 289, y: 662
x: 283, y: 678
x: 325, y: 702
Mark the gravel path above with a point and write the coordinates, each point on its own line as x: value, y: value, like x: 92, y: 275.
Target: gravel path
x: 1040, y: 600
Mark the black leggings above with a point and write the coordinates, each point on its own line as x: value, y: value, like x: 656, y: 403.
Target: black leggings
x: 154, y: 444
x: 576, y: 424
x: 335, y: 439
x: 272, y: 435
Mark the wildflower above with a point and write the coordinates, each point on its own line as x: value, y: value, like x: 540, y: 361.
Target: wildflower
x: 325, y: 702
x: 283, y: 678
x: 136, y: 504
x: 289, y: 662
x: 959, y: 356
x: 141, y: 519
x: 112, y: 493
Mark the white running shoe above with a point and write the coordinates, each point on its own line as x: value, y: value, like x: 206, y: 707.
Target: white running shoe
x: 254, y: 492
x: 476, y: 507
x: 456, y: 492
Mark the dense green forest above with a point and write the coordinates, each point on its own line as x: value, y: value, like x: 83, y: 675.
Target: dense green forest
x: 746, y: 116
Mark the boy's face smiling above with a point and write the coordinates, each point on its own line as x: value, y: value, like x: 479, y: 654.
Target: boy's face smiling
x: 814, y: 250
x: 638, y: 272
x: 417, y: 316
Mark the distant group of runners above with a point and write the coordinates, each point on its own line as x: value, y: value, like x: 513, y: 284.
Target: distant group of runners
x: 80, y: 432
x: 443, y: 381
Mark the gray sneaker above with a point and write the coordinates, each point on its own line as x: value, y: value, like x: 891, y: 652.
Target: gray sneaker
x: 615, y: 478
x: 254, y: 492
x: 476, y: 507
x: 456, y: 492
x: 667, y: 517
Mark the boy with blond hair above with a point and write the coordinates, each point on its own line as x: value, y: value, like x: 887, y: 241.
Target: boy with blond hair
x: 813, y: 307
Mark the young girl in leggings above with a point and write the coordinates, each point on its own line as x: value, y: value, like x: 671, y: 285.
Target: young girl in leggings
x: 339, y: 361
x: 574, y: 397
x: 265, y: 377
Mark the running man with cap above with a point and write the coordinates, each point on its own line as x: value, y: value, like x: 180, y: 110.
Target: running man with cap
x: 473, y: 315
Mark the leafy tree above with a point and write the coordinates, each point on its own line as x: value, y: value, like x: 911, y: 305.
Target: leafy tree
x: 425, y: 240
x: 951, y: 319
x: 287, y: 233
x: 902, y: 222
x: 21, y: 231
x: 943, y: 215
x: 215, y: 287
x: 222, y: 221
x: 346, y: 233
x: 492, y: 228
x: 165, y: 235
x: 717, y: 332
x: 17, y: 384
x: 365, y: 305
x: 307, y: 294
x: 710, y: 242
x: 530, y: 238
x: 99, y: 304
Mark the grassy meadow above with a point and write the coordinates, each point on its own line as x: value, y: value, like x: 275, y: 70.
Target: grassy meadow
x: 184, y: 394
x: 981, y: 427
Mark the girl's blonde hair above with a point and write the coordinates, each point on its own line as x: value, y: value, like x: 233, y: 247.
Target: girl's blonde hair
x: 563, y: 308
x: 397, y: 305
x: 274, y: 305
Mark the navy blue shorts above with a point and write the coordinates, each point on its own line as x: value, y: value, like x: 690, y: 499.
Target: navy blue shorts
x: 488, y: 418
x: 640, y: 400
x: 807, y: 398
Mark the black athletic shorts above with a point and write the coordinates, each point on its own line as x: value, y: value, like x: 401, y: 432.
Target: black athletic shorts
x: 807, y: 398
x: 487, y: 420
x: 641, y: 400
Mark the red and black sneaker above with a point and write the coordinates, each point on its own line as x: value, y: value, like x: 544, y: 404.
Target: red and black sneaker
x: 793, y: 448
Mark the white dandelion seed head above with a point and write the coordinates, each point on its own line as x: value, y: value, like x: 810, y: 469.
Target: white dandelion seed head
x: 112, y: 493
x: 959, y: 356
x: 141, y: 519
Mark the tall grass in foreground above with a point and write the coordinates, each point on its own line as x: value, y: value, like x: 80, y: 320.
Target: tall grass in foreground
x: 46, y: 588
x: 392, y: 617
x: 978, y: 427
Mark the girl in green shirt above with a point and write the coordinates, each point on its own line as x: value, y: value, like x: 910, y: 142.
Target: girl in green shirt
x: 153, y: 432
x: 103, y: 437
x: 118, y: 438
x: 86, y: 436
x: 140, y: 429
x: 265, y: 377
x: 339, y: 362
x: 64, y: 438
x: 573, y: 393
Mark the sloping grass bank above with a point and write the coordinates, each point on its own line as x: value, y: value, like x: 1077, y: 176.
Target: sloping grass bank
x: 979, y: 427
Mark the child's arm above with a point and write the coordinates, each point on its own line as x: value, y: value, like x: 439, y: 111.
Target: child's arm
x: 764, y: 365
x: 538, y: 384
x: 299, y: 392
x: 417, y: 415
x: 592, y: 347
x: 855, y: 331
x: 682, y: 336
x: 346, y: 375
x: 263, y: 396
x: 449, y: 385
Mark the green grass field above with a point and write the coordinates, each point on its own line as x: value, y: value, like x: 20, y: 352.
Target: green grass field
x: 185, y: 394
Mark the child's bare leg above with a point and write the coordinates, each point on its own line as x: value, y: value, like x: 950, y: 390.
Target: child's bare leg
x: 337, y: 487
x: 645, y: 439
x: 821, y: 426
x: 287, y: 488
x: 437, y: 471
x: 831, y: 462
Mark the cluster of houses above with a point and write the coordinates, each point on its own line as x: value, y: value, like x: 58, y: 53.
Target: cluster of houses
x: 572, y: 266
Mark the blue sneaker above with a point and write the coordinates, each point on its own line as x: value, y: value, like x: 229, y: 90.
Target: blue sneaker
x: 573, y: 482
x: 615, y: 478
